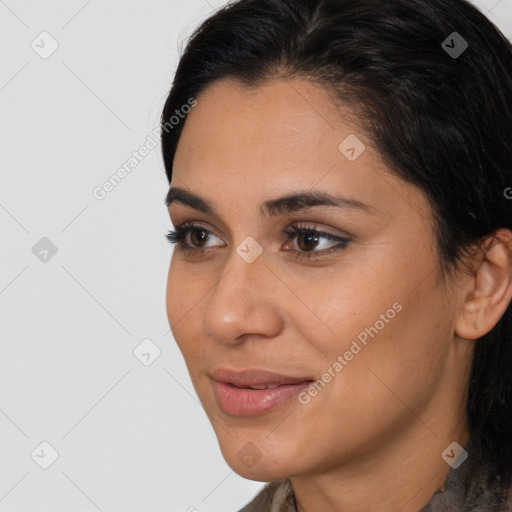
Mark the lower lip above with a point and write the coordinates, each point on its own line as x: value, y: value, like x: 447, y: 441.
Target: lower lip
x: 250, y: 402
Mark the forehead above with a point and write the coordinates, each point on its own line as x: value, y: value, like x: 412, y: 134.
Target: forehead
x: 280, y: 116
x: 274, y: 130
x: 258, y: 142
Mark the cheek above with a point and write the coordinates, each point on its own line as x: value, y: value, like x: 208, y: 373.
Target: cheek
x: 391, y: 332
x: 394, y: 375
x: 173, y: 305
x: 183, y: 304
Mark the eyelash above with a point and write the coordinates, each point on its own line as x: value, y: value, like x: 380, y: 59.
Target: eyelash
x: 179, y: 235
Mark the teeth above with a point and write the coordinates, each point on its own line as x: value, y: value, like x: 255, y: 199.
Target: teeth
x: 265, y: 386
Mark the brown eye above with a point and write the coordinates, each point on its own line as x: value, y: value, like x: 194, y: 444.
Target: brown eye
x: 307, y: 241
x: 192, y: 237
x: 199, y: 236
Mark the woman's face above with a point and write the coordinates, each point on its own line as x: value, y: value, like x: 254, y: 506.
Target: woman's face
x: 364, y: 318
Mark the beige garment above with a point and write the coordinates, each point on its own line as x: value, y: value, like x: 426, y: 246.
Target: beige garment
x: 274, y: 497
x: 278, y: 496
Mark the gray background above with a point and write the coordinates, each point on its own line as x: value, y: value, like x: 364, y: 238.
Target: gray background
x: 129, y: 432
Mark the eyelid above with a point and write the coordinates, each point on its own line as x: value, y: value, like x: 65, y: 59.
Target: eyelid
x: 298, y: 229
x: 185, y: 228
x: 315, y: 227
x: 291, y: 232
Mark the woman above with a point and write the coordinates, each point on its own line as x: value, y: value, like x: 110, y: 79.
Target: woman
x: 340, y: 181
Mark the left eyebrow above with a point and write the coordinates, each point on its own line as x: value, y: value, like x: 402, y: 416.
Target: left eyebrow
x: 280, y: 206
x: 304, y: 200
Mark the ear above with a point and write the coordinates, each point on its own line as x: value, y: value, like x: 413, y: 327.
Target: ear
x: 489, y: 290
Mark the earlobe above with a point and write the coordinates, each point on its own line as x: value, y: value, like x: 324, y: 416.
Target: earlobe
x: 490, y: 289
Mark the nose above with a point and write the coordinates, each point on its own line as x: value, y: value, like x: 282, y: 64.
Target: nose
x: 243, y: 303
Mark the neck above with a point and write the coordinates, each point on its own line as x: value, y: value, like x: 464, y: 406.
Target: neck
x: 402, y: 474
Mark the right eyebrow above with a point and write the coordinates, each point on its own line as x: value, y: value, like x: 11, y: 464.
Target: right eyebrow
x: 295, y: 202
x: 185, y: 197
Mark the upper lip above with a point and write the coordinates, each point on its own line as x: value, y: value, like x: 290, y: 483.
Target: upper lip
x: 254, y: 377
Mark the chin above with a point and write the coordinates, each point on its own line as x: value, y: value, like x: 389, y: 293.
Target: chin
x: 259, y: 470
x: 259, y: 474
x: 257, y: 457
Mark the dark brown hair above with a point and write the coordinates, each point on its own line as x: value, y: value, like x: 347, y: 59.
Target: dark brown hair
x: 441, y: 121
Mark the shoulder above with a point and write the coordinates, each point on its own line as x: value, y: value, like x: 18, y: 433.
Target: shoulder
x: 274, y: 497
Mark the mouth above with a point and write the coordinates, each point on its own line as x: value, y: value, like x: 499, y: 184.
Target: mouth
x: 254, y: 391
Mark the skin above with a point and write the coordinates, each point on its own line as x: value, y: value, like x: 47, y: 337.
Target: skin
x: 372, y: 438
